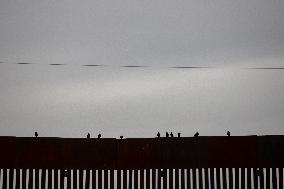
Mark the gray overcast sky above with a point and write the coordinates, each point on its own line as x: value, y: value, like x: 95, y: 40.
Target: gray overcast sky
x: 71, y: 100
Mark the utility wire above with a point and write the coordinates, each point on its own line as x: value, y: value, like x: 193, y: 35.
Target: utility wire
x: 139, y: 66
x: 102, y: 65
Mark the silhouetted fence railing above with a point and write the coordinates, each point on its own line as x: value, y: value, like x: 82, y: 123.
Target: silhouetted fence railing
x: 248, y: 162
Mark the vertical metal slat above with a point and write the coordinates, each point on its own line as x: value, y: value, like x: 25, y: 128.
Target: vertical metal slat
x: 261, y: 178
x: 212, y: 178
x: 62, y: 177
x: 135, y: 179
x: 124, y: 178
x: 43, y: 178
x: 182, y: 180
x: 218, y: 178
x: 118, y: 179
x: 237, y: 179
x: 0, y: 175
x: 255, y: 178
x: 267, y: 178
x: 224, y: 177
x: 105, y: 179
x: 281, y: 185
x: 111, y: 179
x: 87, y: 182
x: 200, y: 178
x: 99, y: 179
x: 49, y: 179
x: 177, y: 178
x: 159, y: 184
x: 274, y: 178
x: 148, y: 179
x: 5, y: 173
x: 30, y: 184
x: 11, y: 178
x: 206, y: 186
x: 249, y: 178
x: 130, y: 174
x: 94, y: 179
x: 153, y: 179
x: 171, y: 183
x: 130, y: 181
x: 81, y: 181
x: 194, y: 178
x: 230, y: 178
x: 24, y: 178
x: 18, y: 174
x: 75, y: 178
x: 36, y: 178
x: 141, y: 178
x: 165, y: 178
x: 188, y: 180
x: 56, y: 178
x: 242, y: 177
x: 69, y: 179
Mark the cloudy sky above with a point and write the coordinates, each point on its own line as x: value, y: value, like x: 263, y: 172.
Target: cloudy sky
x: 224, y: 38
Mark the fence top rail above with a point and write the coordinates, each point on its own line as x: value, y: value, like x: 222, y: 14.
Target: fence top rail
x: 139, y: 153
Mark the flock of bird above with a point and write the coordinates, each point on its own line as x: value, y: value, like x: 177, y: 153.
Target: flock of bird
x: 158, y: 135
x: 168, y: 135
x: 179, y: 134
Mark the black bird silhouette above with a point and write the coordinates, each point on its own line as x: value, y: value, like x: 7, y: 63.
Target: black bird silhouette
x: 179, y: 135
x: 65, y: 173
x: 259, y: 172
x: 88, y: 135
x: 99, y: 135
x: 121, y: 137
x: 167, y: 134
x: 36, y: 134
x: 158, y: 134
x: 172, y: 135
x: 196, y: 134
x: 228, y: 133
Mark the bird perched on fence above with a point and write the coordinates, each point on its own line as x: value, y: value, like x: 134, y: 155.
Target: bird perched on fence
x: 99, y: 135
x: 65, y: 173
x: 167, y: 134
x: 196, y: 134
x: 259, y: 172
x: 172, y: 135
x: 158, y: 134
x: 228, y: 133
x: 88, y: 135
x: 121, y: 137
x: 178, y: 135
x: 36, y: 134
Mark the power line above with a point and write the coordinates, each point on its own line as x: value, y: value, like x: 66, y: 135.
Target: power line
x: 138, y: 66
x: 102, y: 65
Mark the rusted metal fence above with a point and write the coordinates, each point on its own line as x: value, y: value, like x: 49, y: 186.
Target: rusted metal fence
x: 235, y: 162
